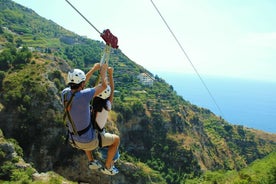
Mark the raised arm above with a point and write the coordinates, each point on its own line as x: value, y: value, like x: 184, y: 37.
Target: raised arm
x: 102, y: 85
x: 111, y: 82
x: 88, y: 75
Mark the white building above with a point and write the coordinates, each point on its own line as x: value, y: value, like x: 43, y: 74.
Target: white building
x: 145, y: 79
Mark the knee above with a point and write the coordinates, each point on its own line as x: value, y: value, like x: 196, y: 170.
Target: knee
x: 116, y: 139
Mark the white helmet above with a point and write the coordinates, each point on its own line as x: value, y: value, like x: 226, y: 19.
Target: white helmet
x: 106, y: 93
x: 76, y: 76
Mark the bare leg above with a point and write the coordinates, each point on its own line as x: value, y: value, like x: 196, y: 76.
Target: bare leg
x: 112, y: 149
x: 89, y: 155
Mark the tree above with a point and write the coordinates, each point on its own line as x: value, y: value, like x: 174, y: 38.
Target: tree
x: 272, y: 175
x: 9, y: 37
x: 23, y: 56
x: 18, y: 42
x: 138, y: 108
x: 6, y: 58
x: 2, y: 76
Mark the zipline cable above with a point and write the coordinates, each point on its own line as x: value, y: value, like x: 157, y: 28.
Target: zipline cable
x: 109, y: 38
x: 179, y: 44
x: 83, y: 16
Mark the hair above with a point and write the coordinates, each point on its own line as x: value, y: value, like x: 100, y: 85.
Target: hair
x: 75, y: 86
x: 99, y: 103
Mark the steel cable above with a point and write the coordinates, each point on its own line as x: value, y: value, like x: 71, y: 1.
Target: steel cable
x: 179, y: 44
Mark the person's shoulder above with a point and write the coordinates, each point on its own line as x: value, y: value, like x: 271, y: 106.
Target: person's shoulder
x: 88, y: 89
x: 66, y: 90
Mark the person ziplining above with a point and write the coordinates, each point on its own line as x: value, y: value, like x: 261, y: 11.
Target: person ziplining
x: 82, y: 132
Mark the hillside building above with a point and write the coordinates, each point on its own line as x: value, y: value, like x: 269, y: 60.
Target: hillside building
x: 146, y: 79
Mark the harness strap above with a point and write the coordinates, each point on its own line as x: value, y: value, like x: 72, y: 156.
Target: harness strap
x: 67, y: 113
x: 100, y: 140
x: 104, y: 60
x: 82, y: 131
x: 96, y: 127
x: 106, y: 55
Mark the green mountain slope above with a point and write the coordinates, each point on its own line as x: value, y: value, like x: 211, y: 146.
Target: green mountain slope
x: 260, y: 171
x: 166, y: 138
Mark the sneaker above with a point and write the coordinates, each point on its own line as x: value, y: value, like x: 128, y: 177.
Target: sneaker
x: 112, y: 171
x: 94, y: 165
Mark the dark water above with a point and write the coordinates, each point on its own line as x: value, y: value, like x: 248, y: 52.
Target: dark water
x: 239, y: 101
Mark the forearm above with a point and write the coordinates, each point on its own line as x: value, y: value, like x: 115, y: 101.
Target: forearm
x: 91, y: 71
x: 101, y: 87
x: 111, y: 83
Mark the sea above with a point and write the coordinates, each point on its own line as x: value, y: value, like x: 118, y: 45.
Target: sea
x: 250, y: 103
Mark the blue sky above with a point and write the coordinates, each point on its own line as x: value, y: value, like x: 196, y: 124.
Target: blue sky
x: 223, y: 38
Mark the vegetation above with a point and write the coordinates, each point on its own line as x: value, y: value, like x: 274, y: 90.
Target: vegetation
x: 169, y: 139
x: 13, y: 169
x: 260, y: 171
